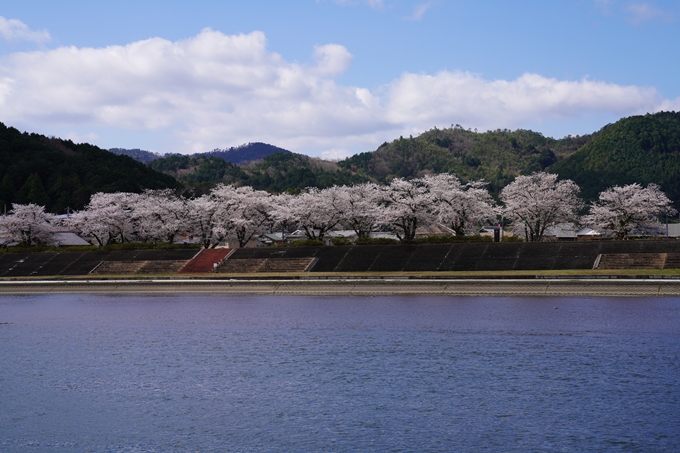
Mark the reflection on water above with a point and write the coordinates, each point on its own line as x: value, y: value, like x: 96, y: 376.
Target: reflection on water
x: 216, y: 373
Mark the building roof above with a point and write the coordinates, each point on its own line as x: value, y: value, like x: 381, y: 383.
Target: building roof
x: 561, y: 230
x: 673, y: 230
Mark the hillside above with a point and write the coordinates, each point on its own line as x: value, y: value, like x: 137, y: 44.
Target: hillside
x: 238, y: 155
x: 640, y: 149
x: 250, y: 152
x: 496, y: 156
x: 137, y: 154
x: 59, y: 173
x: 278, y: 172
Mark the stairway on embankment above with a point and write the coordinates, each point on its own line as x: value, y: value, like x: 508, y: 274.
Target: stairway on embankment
x: 259, y: 265
x: 139, y: 267
x: 632, y: 261
x: 205, y: 261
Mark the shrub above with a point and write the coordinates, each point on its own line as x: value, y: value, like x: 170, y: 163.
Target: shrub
x: 306, y: 243
x: 149, y: 246
x: 376, y: 241
x: 453, y: 239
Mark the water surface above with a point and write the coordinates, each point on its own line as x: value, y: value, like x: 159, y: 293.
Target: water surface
x: 188, y: 373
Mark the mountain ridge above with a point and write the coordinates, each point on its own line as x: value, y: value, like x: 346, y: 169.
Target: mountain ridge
x: 238, y: 155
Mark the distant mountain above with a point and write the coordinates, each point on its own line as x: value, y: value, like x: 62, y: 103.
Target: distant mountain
x: 278, y: 172
x: 137, y: 154
x: 246, y: 153
x: 238, y: 155
x: 640, y: 149
x: 58, y: 173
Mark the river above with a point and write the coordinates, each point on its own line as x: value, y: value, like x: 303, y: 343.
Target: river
x: 216, y: 373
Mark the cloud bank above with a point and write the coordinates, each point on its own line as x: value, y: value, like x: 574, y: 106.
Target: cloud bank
x: 216, y: 90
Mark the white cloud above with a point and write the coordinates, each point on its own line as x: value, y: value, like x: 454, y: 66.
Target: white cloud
x: 215, y: 90
x: 462, y: 97
x: 636, y: 13
x: 645, y: 12
x: 15, y: 30
x: 75, y: 137
x: 419, y: 11
x: 336, y: 154
x: 332, y: 59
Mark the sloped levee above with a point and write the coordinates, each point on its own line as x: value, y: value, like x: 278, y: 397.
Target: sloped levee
x: 253, y: 265
x: 81, y: 263
x: 389, y: 258
x: 458, y: 257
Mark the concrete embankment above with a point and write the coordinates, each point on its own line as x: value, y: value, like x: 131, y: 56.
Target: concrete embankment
x: 355, y: 287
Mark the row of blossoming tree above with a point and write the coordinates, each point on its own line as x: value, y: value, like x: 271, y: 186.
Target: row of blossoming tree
x: 231, y: 213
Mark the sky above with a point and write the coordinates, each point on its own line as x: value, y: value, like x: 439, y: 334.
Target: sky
x: 330, y: 78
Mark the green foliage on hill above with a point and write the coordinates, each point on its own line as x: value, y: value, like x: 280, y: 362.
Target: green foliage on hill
x: 496, y: 156
x: 278, y: 172
x: 59, y: 173
x: 643, y: 149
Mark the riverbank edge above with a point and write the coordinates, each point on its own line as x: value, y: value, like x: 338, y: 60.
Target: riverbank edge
x: 611, y: 286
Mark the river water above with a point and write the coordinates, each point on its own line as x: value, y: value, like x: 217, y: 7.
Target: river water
x: 197, y: 373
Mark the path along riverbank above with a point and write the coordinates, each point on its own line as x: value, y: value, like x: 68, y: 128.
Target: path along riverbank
x: 580, y: 286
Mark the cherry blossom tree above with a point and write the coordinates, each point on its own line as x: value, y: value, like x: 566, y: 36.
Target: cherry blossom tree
x: 536, y: 201
x: 362, y: 207
x: 159, y: 215
x: 107, y: 217
x: 623, y: 209
x: 318, y: 211
x: 252, y: 214
x: 462, y: 207
x: 230, y: 212
x: 203, y: 220
x: 212, y: 215
x: 406, y: 206
x: 29, y: 224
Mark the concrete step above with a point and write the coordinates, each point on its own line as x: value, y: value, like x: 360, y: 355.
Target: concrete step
x: 162, y: 267
x: 632, y: 261
x: 672, y: 261
x: 118, y: 267
x: 255, y: 265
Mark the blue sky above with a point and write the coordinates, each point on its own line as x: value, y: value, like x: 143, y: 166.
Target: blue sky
x: 330, y: 78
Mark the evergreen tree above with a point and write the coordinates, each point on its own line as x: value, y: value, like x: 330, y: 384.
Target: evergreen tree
x: 7, y: 193
x: 33, y: 191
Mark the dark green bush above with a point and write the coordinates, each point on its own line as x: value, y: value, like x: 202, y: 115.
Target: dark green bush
x: 306, y: 243
x: 149, y: 246
x: 453, y: 239
x: 376, y: 241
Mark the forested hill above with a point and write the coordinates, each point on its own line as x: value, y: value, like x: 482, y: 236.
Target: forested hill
x: 640, y: 149
x: 59, y: 173
x: 238, y: 155
x: 278, y: 172
x: 250, y: 152
x: 137, y: 154
x: 496, y: 156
